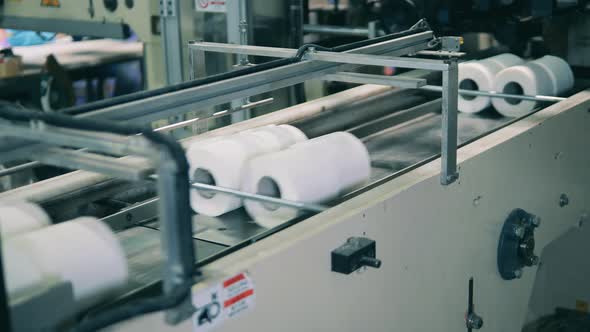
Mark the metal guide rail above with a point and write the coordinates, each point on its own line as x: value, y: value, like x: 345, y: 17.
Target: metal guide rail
x: 330, y: 64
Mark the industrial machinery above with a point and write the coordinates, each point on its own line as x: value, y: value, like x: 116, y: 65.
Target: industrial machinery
x: 447, y: 236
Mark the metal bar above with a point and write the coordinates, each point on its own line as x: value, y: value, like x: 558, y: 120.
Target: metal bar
x: 102, y: 142
x: 449, y: 124
x: 494, y: 94
x: 19, y: 168
x: 172, y: 45
x: 275, y: 52
x: 159, y: 107
x: 177, y: 230
x: 260, y: 198
x: 34, y: 164
x: 215, y: 115
x: 336, y: 30
x: 376, y: 60
x: 395, y: 81
x: 74, y: 160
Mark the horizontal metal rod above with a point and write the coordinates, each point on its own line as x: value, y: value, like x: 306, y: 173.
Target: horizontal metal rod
x: 335, y: 57
x: 336, y: 30
x: 186, y: 123
x: 359, y: 78
x: 377, y: 60
x: 494, y: 94
x: 19, y: 168
x: 74, y: 160
x: 260, y: 198
x: 34, y: 164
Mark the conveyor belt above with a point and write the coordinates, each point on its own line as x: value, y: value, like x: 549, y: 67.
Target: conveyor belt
x: 392, y: 150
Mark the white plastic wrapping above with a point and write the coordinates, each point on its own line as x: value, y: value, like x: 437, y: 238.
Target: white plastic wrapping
x: 221, y: 162
x: 82, y: 251
x: 548, y: 75
x: 314, y: 171
x: 480, y: 75
x: 21, y: 217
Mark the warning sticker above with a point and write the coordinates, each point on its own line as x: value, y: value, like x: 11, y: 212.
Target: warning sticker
x: 228, y: 299
x: 211, y: 6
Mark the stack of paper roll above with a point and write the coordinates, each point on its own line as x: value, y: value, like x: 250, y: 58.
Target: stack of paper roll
x: 480, y: 75
x: 21, y: 217
x: 83, y: 252
x: 221, y: 162
x: 315, y: 171
x: 548, y: 75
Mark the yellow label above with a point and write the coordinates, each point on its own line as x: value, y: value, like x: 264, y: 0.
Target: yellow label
x: 582, y: 306
x: 50, y: 3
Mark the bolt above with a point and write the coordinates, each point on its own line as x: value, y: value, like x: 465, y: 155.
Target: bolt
x: 474, y: 321
x: 563, y: 200
x: 535, y: 220
x: 519, y: 231
x: 517, y: 273
x: 534, y: 260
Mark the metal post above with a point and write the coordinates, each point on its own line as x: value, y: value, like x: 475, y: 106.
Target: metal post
x: 171, y: 40
x: 372, y: 29
x: 237, y: 33
x: 176, y: 223
x: 449, y: 123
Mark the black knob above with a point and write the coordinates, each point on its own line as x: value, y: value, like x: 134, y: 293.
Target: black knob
x: 370, y: 261
x: 111, y: 5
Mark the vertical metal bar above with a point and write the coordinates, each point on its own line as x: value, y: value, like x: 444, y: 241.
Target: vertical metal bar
x: 449, y: 123
x: 176, y: 229
x: 372, y: 27
x: 237, y: 33
x: 171, y: 40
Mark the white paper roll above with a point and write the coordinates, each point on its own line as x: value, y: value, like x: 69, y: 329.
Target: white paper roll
x: 480, y: 75
x: 314, y: 171
x: 20, y: 217
x: 548, y: 75
x: 82, y: 251
x: 222, y: 163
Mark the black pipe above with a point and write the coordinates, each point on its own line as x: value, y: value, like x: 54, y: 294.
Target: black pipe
x: 175, y: 151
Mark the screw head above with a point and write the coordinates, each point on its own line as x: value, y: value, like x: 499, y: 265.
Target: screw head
x: 518, y: 273
x: 563, y: 200
x: 535, y: 221
x: 519, y: 231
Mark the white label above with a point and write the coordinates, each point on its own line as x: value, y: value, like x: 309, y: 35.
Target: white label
x: 211, y: 6
x: 226, y: 300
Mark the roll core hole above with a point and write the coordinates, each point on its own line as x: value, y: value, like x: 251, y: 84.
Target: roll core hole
x: 268, y: 187
x: 468, y: 84
x: 513, y: 88
x: 202, y: 175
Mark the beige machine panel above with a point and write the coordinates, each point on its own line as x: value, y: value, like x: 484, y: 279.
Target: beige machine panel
x: 430, y: 238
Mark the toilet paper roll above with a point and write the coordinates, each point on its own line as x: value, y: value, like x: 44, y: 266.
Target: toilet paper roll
x: 480, y: 75
x: 314, y: 171
x: 546, y: 76
x: 82, y: 251
x: 21, y: 217
x: 222, y: 163
x: 287, y: 135
x: 562, y: 76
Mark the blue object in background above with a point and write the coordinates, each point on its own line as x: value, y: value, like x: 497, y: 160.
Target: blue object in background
x: 28, y: 38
